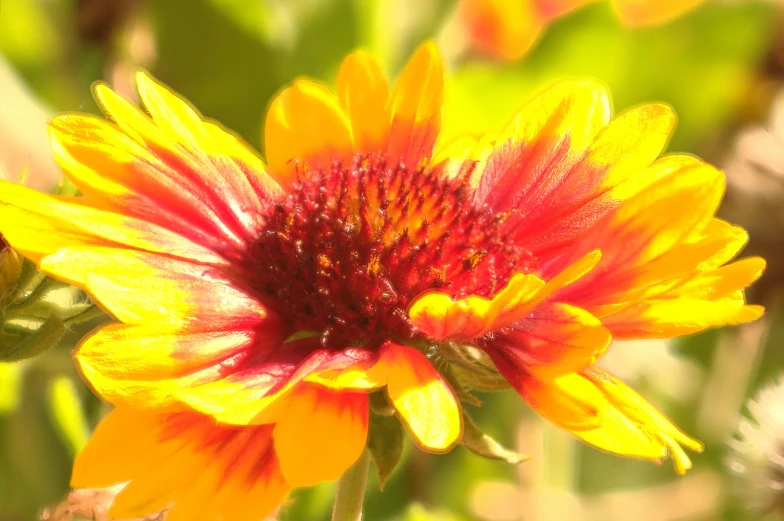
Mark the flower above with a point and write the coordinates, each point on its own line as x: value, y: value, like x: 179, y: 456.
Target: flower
x: 508, y: 29
x: 260, y: 304
x: 756, y: 456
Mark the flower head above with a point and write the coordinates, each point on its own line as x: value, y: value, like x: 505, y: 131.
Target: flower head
x: 260, y: 304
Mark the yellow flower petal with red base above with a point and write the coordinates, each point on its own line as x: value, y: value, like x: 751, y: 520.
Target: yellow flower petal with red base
x: 183, y: 461
x: 38, y: 225
x: 156, y: 167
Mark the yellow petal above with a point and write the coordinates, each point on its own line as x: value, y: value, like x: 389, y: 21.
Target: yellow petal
x: 139, y: 287
x: 305, y: 128
x: 603, y: 412
x: 643, y: 229
x: 37, y: 225
x: 438, y: 316
x: 632, y: 141
x: 145, y: 364
x: 644, y: 417
x: 174, y: 116
x: 415, y: 107
x: 363, y: 93
x: 423, y: 399
x: 670, y: 317
x: 321, y: 434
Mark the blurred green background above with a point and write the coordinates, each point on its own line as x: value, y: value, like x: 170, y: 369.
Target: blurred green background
x: 719, y: 66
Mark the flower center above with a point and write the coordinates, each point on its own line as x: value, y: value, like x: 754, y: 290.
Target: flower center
x: 351, y: 246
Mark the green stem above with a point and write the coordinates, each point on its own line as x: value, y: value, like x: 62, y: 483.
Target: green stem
x: 351, y: 491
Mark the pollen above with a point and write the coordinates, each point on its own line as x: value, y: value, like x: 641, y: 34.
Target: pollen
x: 351, y: 246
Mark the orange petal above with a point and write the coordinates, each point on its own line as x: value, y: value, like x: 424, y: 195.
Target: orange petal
x: 321, y: 434
x: 101, y: 464
x: 363, y: 93
x: 551, y: 9
x: 438, y: 316
x: 181, y: 460
x: 556, y: 339
x: 305, y: 128
x: 415, y: 106
x: 568, y: 401
x: 423, y: 399
x: 37, y: 224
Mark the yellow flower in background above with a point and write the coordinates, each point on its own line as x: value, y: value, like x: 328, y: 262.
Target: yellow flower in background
x: 508, y: 29
x: 259, y: 305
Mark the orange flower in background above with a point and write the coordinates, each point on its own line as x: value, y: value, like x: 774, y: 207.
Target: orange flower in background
x: 258, y: 304
x: 508, y: 29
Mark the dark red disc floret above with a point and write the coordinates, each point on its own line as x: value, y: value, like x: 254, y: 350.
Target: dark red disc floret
x: 350, y: 247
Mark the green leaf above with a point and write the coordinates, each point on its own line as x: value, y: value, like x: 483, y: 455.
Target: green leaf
x: 19, y: 346
x: 480, y: 443
x: 385, y: 441
x: 91, y: 313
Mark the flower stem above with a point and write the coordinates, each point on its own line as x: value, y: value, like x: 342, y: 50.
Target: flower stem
x: 351, y: 491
